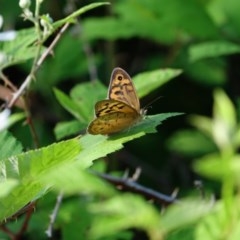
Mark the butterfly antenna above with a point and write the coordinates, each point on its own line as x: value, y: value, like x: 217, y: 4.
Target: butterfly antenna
x: 150, y: 103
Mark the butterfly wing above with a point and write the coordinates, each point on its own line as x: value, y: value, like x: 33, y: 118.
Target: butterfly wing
x: 108, y: 106
x: 112, y: 123
x: 121, y: 88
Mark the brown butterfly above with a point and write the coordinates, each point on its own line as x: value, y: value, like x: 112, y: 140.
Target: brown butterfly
x: 122, y: 108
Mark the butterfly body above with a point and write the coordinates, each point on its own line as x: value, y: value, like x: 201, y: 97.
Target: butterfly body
x: 122, y: 108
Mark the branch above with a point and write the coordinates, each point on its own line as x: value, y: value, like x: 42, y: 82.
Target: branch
x: 53, y: 216
x: 26, y: 221
x: 29, y: 208
x: 130, y: 185
x: 28, y: 79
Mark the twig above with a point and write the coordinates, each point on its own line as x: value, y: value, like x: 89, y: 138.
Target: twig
x: 7, y: 81
x: 54, y: 42
x: 26, y: 221
x: 53, y: 216
x: 133, y: 162
x: 175, y: 193
x: 26, y: 209
x: 28, y: 79
x: 130, y: 185
x: 136, y: 174
x: 7, y: 231
x: 199, y: 186
x: 32, y: 129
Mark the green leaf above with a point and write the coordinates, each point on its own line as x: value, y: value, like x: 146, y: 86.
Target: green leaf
x: 218, y: 224
x: 102, y: 145
x: 69, y: 104
x: 142, y: 18
x: 188, y: 210
x: 82, y: 99
x: 230, y: 9
x: 32, y: 167
x: 202, y: 123
x: 86, y: 95
x: 210, y: 72
x: 9, y: 145
x: 7, y: 186
x: 70, y: 216
x: 224, y: 122
x: 151, y: 80
x: 212, y: 49
x: 19, y: 49
x: 223, y: 128
x: 191, y: 143
x: 122, y: 212
x: 81, y: 105
x: 186, y: 233
x: 75, y: 181
x: 66, y: 129
x: 74, y: 15
x: 212, y: 166
x: 27, y: 169
x: 114, y: 29
x: 14, y: 118
x: 224, y: 109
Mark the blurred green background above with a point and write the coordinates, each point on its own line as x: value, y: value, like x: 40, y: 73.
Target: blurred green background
x: 201, y: 37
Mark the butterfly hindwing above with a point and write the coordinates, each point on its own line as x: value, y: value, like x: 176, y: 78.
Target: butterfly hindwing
x: 112, y: 123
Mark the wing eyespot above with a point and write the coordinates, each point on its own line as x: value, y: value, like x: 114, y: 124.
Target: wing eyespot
x: 120, y: 77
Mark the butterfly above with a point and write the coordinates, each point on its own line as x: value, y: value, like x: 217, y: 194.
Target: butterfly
x: 120, y: 110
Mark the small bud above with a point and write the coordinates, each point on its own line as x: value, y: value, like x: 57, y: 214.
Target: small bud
x: 24, y: 3
x: 27, y: 13
x: 45, y: 22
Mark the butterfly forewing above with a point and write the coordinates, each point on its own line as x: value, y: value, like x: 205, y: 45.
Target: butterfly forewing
x: 121, y: 88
